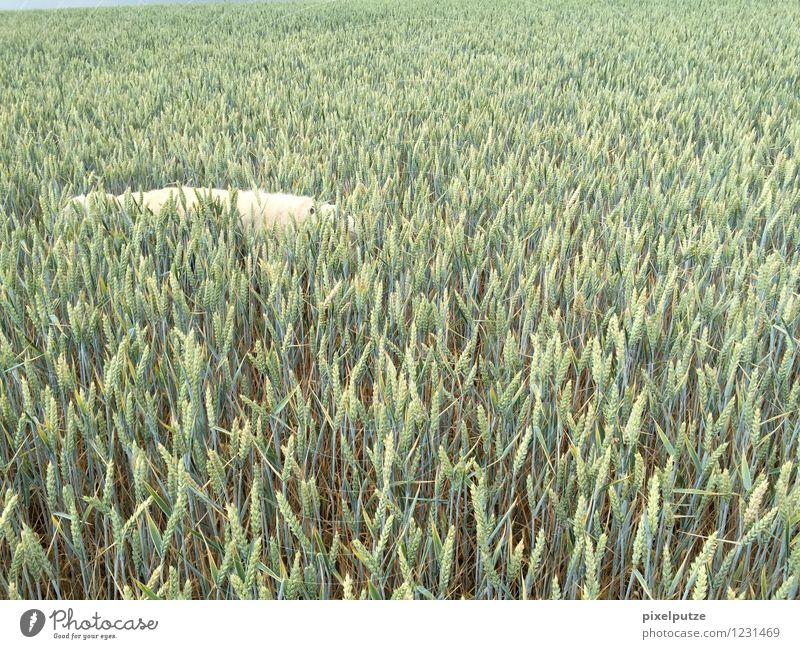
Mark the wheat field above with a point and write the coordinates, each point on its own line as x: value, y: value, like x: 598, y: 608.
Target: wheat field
x: 559, y: 359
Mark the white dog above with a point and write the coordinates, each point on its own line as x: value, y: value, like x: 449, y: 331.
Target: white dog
x: 257, y: 209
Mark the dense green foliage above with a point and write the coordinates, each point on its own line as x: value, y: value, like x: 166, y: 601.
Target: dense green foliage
x: 560, y: 358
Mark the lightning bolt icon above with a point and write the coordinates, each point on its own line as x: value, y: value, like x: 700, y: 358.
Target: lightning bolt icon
x: 32, y: 621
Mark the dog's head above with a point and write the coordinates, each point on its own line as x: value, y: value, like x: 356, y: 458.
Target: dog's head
x: 331, y: 211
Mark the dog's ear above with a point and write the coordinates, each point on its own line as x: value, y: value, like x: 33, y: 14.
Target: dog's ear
x: 327, y: 209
